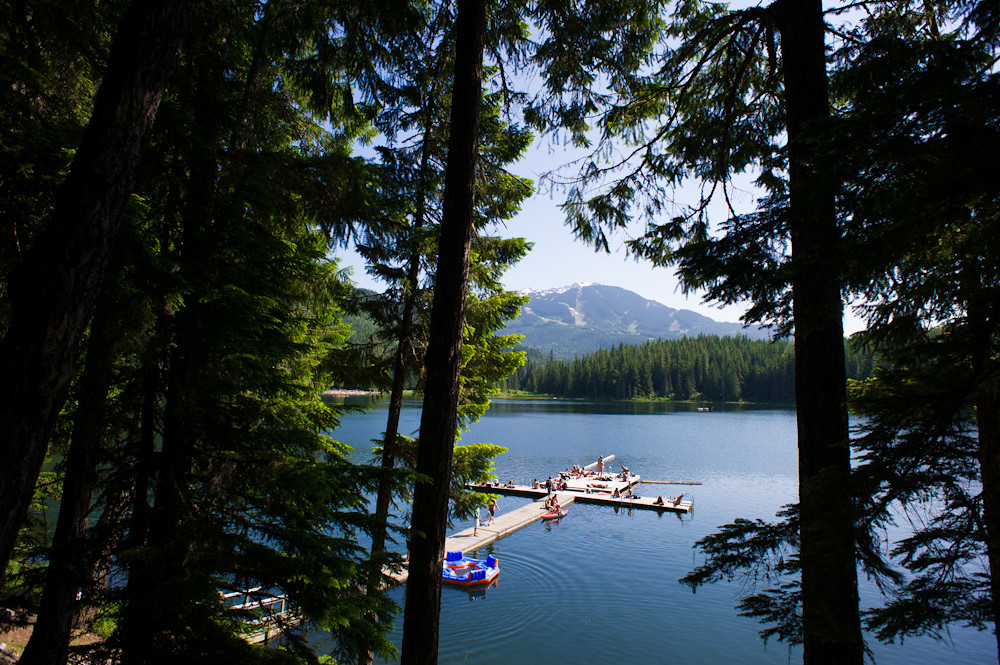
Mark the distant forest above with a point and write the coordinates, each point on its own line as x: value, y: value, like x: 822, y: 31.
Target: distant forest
x: 706, y: 367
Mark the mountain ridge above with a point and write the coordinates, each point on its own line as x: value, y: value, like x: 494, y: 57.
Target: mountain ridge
x: 583, y: 317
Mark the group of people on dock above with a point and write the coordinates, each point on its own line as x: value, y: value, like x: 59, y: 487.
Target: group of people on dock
x: 550, y: 485
x: 581, y: 472
x: 552, y: 504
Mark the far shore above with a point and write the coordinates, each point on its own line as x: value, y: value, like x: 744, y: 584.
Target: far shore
x: 350, y: 392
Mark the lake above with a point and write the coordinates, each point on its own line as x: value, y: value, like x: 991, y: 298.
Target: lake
x: 600, y: 586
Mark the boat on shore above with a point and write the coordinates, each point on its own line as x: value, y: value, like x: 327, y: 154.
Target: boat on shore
x: 461, y: 570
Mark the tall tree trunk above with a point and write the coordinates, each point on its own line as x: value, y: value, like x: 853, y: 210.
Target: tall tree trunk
x: 438, y: 420
x: 405, y: 348
x: 988, y: 424
x: 160, y: 621
x: 139, y: 583
x: 68, y: 560
x: 830, y: 617
x: 53, y: 291
x: 390, y: 443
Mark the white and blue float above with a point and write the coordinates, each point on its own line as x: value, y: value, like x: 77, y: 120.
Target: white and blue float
x: 461, y: 570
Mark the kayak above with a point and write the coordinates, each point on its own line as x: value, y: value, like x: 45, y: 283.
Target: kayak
x: 465, y: 571
x: 554, y: 515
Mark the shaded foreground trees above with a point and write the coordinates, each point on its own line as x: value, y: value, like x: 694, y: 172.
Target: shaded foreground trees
x: 51, y: 292
x: 197, y: 417
x: 723, y: 100
x: 928, y: 448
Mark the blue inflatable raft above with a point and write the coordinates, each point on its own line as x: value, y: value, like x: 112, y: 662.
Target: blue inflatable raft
x: 463, y: 571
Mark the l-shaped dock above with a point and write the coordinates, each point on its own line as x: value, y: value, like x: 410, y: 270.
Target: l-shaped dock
x: 472, y: 539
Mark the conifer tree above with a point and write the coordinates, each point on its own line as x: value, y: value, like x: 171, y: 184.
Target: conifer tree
x: 52, y: 291
x: 929, y: 443
x: 724, y: 99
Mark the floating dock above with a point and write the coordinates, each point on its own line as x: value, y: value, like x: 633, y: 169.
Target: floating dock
x: 679, y: 504
x: 599, y: 489
x: 503, y: 525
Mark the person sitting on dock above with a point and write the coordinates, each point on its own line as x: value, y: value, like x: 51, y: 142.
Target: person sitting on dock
x: 535, y: 484
x: 659, y: 501
x: 616, y: 494
x: 555, y: 507
x: 510, y: 484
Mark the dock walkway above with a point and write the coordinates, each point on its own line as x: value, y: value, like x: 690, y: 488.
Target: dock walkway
x: 503, y: 525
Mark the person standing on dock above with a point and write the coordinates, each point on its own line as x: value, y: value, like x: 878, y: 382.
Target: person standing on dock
x: 600, y: 464
x: 493, y: 512
x: 475, y: 529
x: 548, y: 485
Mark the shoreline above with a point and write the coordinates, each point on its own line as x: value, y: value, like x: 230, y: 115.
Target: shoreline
x: 349, y: 392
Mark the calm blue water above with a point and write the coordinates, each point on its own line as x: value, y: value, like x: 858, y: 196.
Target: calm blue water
x: 601, y: 586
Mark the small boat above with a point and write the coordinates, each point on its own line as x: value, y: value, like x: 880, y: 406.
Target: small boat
x: 465, y: 571
x: 552, y: 515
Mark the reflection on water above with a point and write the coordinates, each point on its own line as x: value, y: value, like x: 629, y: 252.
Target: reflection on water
x: 600, y: 585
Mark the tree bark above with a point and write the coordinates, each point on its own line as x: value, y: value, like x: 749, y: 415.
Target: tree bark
x: 52, y: 292
x: 830, y: 616
x: 68, y: 559
x: 438, y: 422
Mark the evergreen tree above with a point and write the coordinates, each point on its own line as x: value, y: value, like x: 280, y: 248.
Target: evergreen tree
x: 51, y: 292
x: 729, y: 89
x: 930, y: 439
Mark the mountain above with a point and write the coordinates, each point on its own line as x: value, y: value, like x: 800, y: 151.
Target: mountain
x: 582, y: 318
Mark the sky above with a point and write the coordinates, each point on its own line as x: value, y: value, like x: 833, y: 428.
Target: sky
x: 558, y: 259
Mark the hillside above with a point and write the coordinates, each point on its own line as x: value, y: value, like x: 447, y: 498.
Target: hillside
x: 584, y: 317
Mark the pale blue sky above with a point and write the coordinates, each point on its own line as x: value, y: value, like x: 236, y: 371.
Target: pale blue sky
x: 558, y: 259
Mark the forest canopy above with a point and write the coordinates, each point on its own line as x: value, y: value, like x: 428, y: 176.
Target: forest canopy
x: 710, y: 368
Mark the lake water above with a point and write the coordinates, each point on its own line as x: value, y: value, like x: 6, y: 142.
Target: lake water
x: 600, y: 586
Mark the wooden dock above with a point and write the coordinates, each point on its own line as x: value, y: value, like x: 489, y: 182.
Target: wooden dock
x: 595, y: 490
x: 275, y: 614
x: 503, y: 525
x: 602, y: 498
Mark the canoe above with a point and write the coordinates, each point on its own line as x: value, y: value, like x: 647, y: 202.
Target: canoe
x: 461, y: 570
x: 554, y: 515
